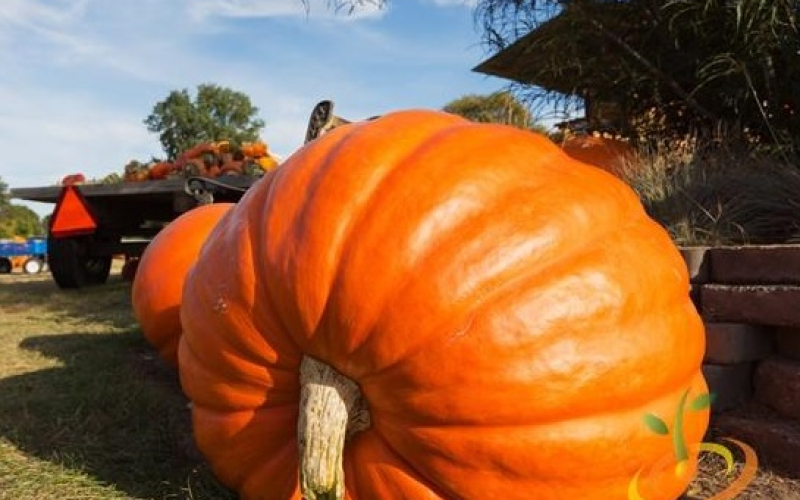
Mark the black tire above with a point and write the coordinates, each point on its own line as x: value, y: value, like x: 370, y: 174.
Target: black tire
x: 32, y: 266
x: 71, y: 264
x: 5, y: 266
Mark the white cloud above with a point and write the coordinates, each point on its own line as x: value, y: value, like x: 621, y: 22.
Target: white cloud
x: 79, y: 76
x: 35, y: 13
x: 47, y: 25
x: 452, y: 3
x: 52, y: 136
x: 200, y: 10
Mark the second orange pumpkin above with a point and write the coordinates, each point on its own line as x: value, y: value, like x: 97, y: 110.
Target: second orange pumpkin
x: 157, y: 287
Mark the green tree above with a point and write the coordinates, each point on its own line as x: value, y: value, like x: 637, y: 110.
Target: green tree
x: 5, y: 206
x: 5, y: 196
x: 16, y: 220
x: 499, y: 107
x: 216, y: 113
x: 20, y: 221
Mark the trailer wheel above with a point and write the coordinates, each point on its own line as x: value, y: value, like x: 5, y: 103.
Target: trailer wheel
x: 5, y: 265
x: 32, y: 266
x: 71, y: 264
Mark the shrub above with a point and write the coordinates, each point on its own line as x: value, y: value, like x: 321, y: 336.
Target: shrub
x: 718, y: 190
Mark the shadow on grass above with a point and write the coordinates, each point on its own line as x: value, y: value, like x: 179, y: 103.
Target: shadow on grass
x: 113, y: 411
x: 108, y: 304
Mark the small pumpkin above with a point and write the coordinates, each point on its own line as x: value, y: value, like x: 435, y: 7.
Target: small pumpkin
x: 267, y: 163
x: 254, y: 149
x: 135, y: 171
x: 409, y: 317
x: 200, y: 149
x: 73, y: 179
x: 247, y: 149
x: 222, y: 147
x: 159, y: 274
x: 259, y: 149
x: 160, y: 170
x: 603, y: 152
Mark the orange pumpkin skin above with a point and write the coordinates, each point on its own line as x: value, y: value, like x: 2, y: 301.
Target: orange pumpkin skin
x: 160, y: 170
x: 509, y: 318
x: 605, y: 153
x: 73, y: 179
x: 160, y: 272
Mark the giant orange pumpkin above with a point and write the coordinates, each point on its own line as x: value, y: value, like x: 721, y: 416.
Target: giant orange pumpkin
x: 158, y: 282
x: 447, y: 323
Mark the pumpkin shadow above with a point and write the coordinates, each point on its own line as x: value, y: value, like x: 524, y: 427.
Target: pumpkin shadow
x: 112, y: 410
x: 101, y: 304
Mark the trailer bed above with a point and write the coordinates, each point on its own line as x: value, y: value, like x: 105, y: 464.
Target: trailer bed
x: 157, y: 189
x: 120, y: 219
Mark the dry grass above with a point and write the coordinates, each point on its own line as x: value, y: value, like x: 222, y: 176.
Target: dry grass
x: 712, y: 478
x: 87, y: 411
x: 718, y: 191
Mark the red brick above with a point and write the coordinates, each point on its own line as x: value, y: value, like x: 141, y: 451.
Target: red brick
x: 759, y: 305
x: 728, y: 343
x: 787, y: 342
x: 776, y: 442
x: 777, y: 385
x: 755, y: 264
x: 731, y: 385
x: 695, y: 293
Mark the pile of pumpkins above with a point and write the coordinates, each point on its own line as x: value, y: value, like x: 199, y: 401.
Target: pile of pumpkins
x: 207, y: 159
x: 394, y: 314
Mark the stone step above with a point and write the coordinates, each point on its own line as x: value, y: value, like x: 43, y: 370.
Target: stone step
x: 787, y: 342
x: 776, y: 385
x: 775, y: 439
x: 771, y: 305
x: 754, y: 264
x: 731, y: 385
x: 730, y: 343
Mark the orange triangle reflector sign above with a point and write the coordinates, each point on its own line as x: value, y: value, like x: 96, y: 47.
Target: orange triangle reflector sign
x: 71, y: 216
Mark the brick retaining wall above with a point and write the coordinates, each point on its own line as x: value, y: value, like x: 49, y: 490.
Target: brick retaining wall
x: 749, y: 298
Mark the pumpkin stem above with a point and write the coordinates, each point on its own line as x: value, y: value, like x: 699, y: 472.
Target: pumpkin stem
x: 332, y: 410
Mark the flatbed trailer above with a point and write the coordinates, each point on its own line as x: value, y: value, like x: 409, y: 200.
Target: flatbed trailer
x: 91, y: 223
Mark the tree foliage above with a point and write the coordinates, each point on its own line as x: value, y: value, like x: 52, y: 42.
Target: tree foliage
x: 695, y: 64
x: 499, y: 107
x: 699, y: 63
x: 216, y: 113
x: 17, y: 220
x: 347, y: 6
x: 5, y: 196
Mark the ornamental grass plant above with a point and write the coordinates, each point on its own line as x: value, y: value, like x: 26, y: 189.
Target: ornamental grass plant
x: 719, y: 189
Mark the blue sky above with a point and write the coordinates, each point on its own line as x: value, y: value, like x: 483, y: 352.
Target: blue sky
x: 79, y: 76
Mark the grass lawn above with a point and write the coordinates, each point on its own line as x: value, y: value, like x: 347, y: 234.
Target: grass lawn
x: 88, y: 411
